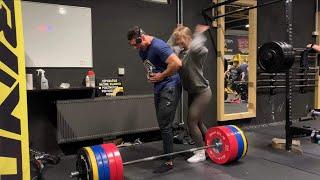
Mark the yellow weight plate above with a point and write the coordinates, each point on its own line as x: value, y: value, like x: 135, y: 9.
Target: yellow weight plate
x: 245, y: 142
x: 94, y: 163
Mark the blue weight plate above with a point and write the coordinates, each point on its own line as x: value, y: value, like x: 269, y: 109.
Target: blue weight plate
x: 105, y: 163
x: 97, y: 154
x: 239, y: 139
x: 245, y: 141
x: 112, y: 163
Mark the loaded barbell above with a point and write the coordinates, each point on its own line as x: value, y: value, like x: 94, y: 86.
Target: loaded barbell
x: 277, y: 56
x: 224, y: 144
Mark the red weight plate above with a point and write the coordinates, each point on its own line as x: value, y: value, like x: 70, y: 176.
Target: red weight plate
x: 118, y: 159
x: 233, y: 142
x: 112, y: 161
x: 226, y: 150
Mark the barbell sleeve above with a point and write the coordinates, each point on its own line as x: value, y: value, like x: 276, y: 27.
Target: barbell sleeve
x: 74, y: 174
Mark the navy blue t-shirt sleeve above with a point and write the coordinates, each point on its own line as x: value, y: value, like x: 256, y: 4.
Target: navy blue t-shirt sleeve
x: 163, y: 50
x: 142, y: 55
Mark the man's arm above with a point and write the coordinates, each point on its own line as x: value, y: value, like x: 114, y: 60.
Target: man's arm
x: 174, y: 64
x: 315, y: 47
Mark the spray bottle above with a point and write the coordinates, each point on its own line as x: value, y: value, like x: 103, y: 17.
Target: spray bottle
x: 92, y: 78
x: 44, y: 80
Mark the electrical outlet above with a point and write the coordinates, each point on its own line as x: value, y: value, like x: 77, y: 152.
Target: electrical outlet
x: 121, y: 71
x: 315, y: 33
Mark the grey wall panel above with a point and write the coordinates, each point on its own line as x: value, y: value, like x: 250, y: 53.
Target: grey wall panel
x: 101, y: 117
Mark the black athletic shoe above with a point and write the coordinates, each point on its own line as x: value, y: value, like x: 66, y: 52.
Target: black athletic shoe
x: 165, y: 167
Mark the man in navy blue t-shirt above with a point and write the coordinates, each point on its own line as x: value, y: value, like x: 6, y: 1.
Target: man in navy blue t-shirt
x: 161, y: 65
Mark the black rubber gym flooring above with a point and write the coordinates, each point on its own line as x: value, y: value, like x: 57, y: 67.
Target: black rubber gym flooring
x: 262, y: 162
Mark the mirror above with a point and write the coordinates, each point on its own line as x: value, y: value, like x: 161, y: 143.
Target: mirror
x: 236, y: 45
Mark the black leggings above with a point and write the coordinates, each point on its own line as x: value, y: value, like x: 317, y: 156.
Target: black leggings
x: 198, y: 103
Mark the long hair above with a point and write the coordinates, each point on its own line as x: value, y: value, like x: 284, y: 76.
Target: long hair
x: 182, y: 36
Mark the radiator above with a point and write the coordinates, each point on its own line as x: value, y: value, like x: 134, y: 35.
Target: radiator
x: 86, y: 119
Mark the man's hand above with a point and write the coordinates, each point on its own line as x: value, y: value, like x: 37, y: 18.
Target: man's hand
x: 314, y: 47
x: 156, y: 77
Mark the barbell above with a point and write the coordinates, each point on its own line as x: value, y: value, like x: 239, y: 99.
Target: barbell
x: 224, y: 144
x: 278, y: 56
x: 275, y: 56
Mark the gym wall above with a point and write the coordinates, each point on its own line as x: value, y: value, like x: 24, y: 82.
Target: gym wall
x: 110, y: 21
